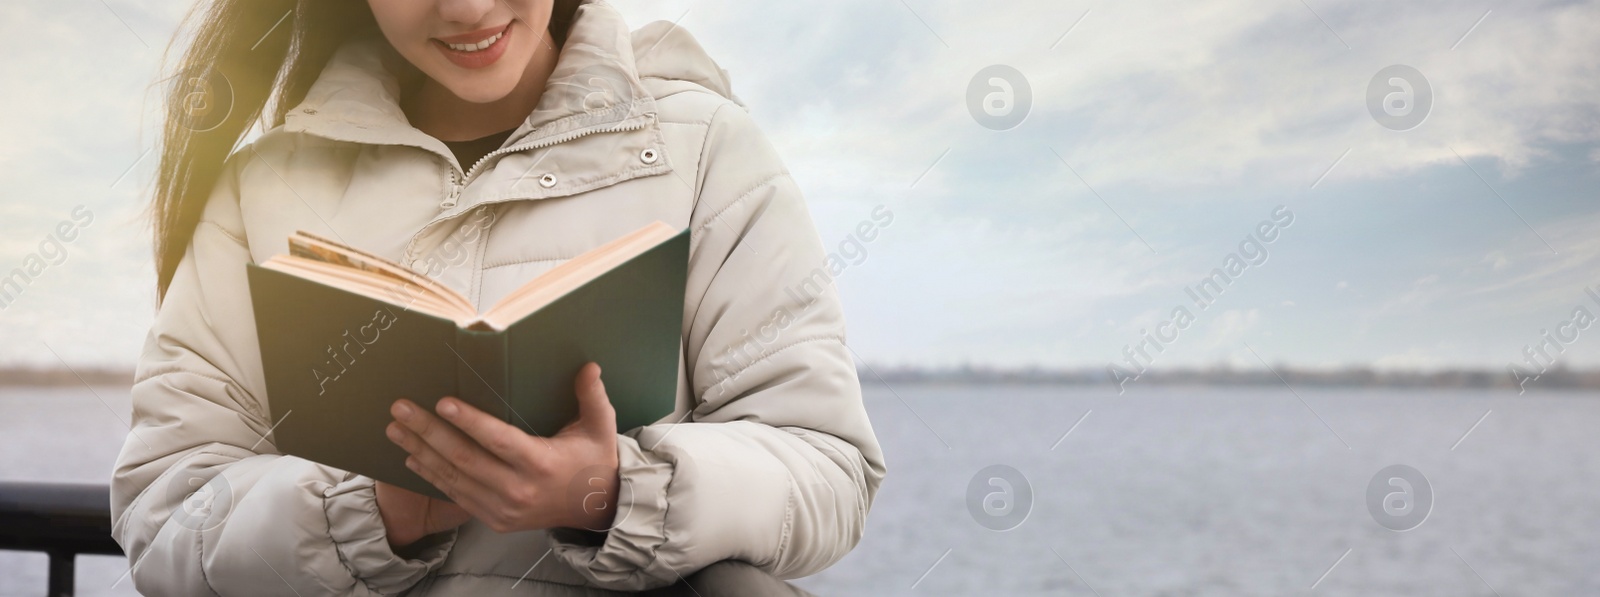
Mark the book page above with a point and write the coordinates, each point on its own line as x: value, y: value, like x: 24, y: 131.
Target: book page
x: 574, y: 273
x: 333, y: 264
x: 315, y: 248
x: 366, y: 283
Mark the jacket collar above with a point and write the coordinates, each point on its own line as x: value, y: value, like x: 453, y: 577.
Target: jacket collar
x: 595, y: 85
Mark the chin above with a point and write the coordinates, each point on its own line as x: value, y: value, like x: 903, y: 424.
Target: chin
x: 481, y: 88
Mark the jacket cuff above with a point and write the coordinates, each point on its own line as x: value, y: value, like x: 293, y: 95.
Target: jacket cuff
x: 625, y: 557
x: 362, y: 542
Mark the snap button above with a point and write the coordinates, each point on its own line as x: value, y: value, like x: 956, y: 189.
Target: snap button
x: 547, y: 181
x: 648, y: 156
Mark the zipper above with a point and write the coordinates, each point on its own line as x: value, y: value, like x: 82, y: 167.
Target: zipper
x: 458, y: 182
x: 455, y: 192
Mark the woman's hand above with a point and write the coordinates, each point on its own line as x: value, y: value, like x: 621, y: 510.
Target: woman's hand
x: 513, y: 481
x: 409, y: 516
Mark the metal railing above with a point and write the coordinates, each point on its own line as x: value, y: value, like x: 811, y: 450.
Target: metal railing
x: 59, y: 519
x: 67, y: 519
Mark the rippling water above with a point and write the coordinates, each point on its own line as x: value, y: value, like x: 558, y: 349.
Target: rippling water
x: 1165, y: 491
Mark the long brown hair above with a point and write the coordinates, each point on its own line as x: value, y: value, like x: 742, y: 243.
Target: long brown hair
x: 254, y: 56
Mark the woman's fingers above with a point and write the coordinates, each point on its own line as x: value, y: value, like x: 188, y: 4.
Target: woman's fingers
x: 418, y: 430
x: 464, y: 490
x: 502, y: 509
x: 506, y: 478
x: 595, y: 413
x: 500, y: 438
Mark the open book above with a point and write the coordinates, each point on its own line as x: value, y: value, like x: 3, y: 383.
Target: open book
x: 344, y: 333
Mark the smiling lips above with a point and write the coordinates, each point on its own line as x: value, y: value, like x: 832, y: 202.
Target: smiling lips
x: 476, y: 49
x: 477, y: 46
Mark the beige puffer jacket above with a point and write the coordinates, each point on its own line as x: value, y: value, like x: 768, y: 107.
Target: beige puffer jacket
x: 769, y: 457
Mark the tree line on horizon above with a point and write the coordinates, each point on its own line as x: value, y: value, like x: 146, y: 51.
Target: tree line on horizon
x: 1559, y: 377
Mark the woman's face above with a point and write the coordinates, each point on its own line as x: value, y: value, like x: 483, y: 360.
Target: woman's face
x: 478, y: 49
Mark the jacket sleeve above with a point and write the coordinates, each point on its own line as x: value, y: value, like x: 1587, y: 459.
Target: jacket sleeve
x: 201, y: 502
x: 776, y: 463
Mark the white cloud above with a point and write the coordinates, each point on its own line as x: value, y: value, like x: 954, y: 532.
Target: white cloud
x: 1179, y: 116
x: 1172, y: 94
x: 1231, y: 328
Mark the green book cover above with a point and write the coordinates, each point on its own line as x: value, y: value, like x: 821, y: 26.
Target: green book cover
x: 335, y: 360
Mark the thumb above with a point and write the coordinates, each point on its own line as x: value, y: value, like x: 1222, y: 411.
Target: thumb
x: 595, y: 413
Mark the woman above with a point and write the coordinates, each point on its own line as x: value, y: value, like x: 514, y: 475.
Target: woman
x: 483, y: 142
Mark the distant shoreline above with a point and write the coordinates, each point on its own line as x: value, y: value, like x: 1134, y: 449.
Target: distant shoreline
x: 60, y: 376
x: 1364, y: 377
x: 1557, y: 378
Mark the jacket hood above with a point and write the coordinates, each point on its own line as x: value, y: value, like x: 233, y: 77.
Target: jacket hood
x: 597, y: 81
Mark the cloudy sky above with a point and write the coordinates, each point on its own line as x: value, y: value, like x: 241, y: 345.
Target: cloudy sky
x: 1157, y: 135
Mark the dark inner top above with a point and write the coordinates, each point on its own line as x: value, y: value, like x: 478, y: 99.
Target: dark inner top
x: 470, y: 151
